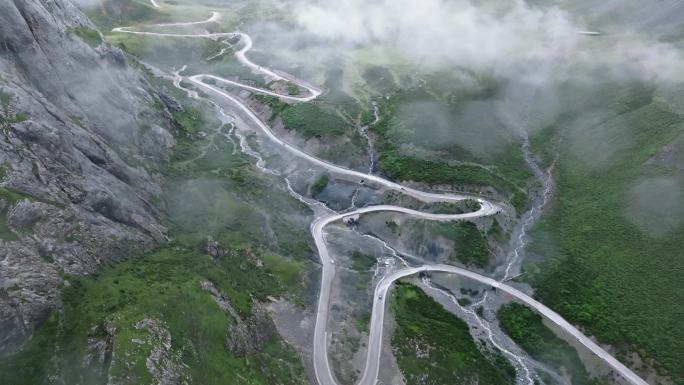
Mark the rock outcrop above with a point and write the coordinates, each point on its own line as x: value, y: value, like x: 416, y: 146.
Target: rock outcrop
x: 79, y: 130
x: 165, y: 365
x: 245, y: 336
x: 252, y: 334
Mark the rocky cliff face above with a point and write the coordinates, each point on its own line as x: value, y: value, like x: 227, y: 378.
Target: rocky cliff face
x: 79, y: 131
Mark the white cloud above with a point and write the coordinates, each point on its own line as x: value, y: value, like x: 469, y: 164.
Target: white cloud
x: 493, y: 35
x: 457, y: 31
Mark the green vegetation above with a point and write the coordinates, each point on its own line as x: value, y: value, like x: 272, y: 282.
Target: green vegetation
x: 450, y: 139
x: 77, y: 120
x: 6, y: 116
x: 190, y: 121
x: 20, y: 117
x: 363, y: 265
x: 380, y: 79
x: 293, y: 89
x: 392, y: 226
x: 8, y: 197
x: 310, y: 120
x: 363, y: 323
x: 442, y: 172
x: 335, y: 94
x: 210, y: 192
x: 288, y: 274
x: 277, y: 106
x: 88, y: 35
x: 172, y: 52
x: 496, y: 231
x: 470, y: 244
x: 433, y: 172
x: 525, y: 327
x: 433, y: 346
x: 31, y: 365
x: 5, y: 102
x: 362, y: 262
x: 108, y: 14
x: 319, y: 185
x: 165, y: 285
x: 460, y: 207
x: 604, y: 271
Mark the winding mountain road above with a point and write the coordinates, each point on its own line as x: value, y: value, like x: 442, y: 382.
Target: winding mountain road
x: 323, y: 371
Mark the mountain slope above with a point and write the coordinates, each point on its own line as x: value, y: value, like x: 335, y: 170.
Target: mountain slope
x: 80, y: 132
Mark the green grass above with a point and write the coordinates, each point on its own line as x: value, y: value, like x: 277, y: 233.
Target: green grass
x: 211, y: 191
x: 448, y: 353
x: 170, y: 52
x: 436, y: 172
x: 363, y: 323
x: 460, y: 207
x: 526, y: 328
x: 191, y: 121
x: 362, y: 262
x: 18, y: 118
x: 311, y: 120
x: 6, y: 119
x: 392, y: 226
x: 165, y: 285
x: 88, y: 35
x: 277, y: 106
x: 167, y: 52
x: 110, y: 13
x: 470, y: 244
x: 319, y: 185
x: 379, y: 79
x: 496, y: 231
x: 604, y: 272
x: 287, y: 272
x: 32, y: 363
x: 335, y: 84
x: 6, y: 99
x: 208, y: 193
x: 446, y: 136
x: 10, y: 196
x: 293, y: 89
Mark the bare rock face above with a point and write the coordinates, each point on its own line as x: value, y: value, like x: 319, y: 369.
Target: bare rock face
x: 165, y: 365
x: 77, y: 128
x: 245, y: 336
x: 251, y: 335
x: 100, y: 348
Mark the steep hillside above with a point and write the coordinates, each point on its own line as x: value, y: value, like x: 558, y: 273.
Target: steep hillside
x: 77, y: 123
x: 612, y: 238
